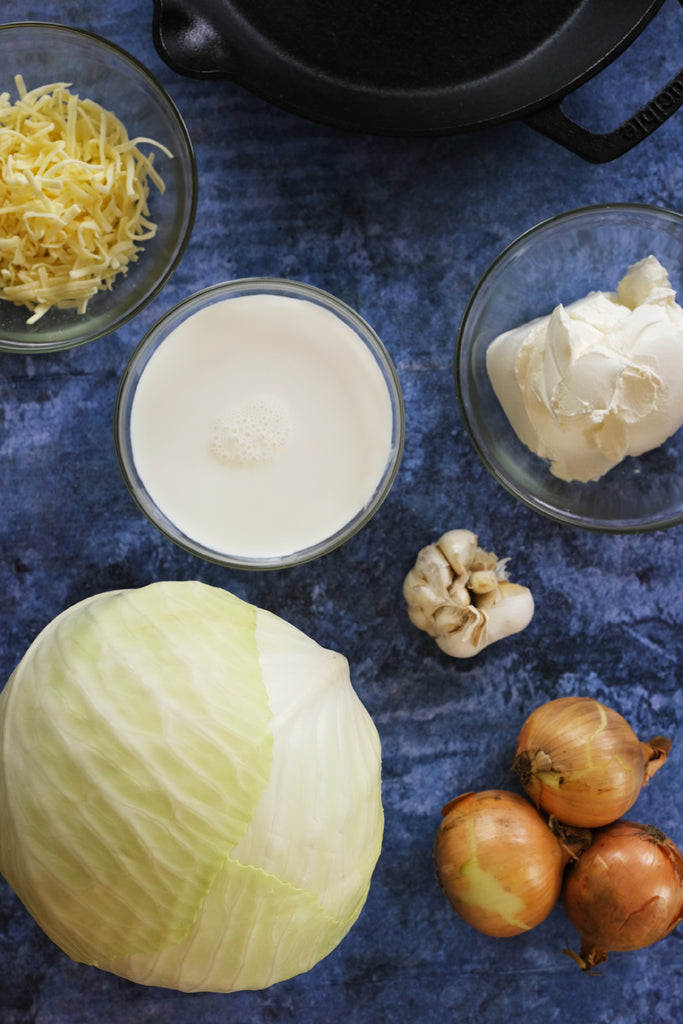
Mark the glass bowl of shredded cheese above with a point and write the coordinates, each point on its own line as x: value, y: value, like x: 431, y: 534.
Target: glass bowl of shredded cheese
x: 98, y: 187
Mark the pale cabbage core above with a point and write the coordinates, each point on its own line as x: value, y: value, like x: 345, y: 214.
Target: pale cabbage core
x: 191, y: 789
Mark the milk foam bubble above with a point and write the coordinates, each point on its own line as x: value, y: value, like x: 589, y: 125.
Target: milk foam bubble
x: 252, y: 433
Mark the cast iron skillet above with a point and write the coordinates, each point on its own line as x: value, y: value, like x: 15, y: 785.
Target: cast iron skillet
x: 418, y: 67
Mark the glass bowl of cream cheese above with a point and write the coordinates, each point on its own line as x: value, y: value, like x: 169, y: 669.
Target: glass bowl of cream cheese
x: 260, y: 423
x: 98, y: 187
x: 569, y: 368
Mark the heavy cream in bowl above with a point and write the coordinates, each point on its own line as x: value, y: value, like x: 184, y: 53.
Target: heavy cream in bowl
x: 260, y: 423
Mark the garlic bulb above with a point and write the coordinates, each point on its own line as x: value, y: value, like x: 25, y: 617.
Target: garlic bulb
x: 460, y: 595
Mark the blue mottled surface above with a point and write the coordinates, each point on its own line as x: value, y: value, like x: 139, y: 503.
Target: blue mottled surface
x: 401, y: 230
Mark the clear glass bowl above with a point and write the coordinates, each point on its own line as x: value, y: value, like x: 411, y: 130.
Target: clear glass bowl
x: 156, y: 337
x: 558, y: 261
x: 98, y: 70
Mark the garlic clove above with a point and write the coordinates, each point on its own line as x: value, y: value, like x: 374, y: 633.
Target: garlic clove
x: 466, y: 641
x: 459, y: 547
x: 432, y: 573
x: 483, y: 581
x: 426, y: 587
x: 509, y: 612
x: 450, y: 618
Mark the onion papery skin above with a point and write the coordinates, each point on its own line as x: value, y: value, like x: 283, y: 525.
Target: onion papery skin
x: 581, y: 761
x: 625, y: 892
x: 498, y: 862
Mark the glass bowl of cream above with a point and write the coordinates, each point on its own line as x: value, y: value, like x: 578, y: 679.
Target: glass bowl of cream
x: 259, y: 423
x: 569, y: 368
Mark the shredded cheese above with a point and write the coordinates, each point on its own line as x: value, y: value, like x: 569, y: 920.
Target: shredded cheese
x: 73, y: 198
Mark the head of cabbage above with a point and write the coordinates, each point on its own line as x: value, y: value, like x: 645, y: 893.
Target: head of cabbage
x: 190, y: 790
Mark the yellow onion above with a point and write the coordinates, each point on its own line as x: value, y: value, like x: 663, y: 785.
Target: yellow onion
x: 625, y: 892
x: 582, y: 762
x: 498, y: 861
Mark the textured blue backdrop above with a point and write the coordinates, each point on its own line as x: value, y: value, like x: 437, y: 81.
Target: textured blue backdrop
x: 401, y: 230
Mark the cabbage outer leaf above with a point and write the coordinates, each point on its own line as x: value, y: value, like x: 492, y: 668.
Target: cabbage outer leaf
x: 136, y: 741
x: 299, y: 877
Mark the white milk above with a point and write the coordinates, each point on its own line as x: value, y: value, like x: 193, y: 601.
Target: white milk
x: 261, y: 425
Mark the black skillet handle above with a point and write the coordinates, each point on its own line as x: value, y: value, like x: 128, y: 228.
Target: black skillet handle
x: 599, y: 147
x: 189, y: 36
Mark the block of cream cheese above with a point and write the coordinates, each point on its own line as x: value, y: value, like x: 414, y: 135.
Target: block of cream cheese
x: 598, y: 379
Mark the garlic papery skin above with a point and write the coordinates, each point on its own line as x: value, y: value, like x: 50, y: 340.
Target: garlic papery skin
x: 460, y: 595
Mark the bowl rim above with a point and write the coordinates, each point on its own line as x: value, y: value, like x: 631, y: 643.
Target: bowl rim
x: 40, y: 347
x: 183, y: 310
x: 565, y: 517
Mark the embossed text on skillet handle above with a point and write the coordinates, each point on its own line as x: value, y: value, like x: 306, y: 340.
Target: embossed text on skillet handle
x: 601, y: 147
